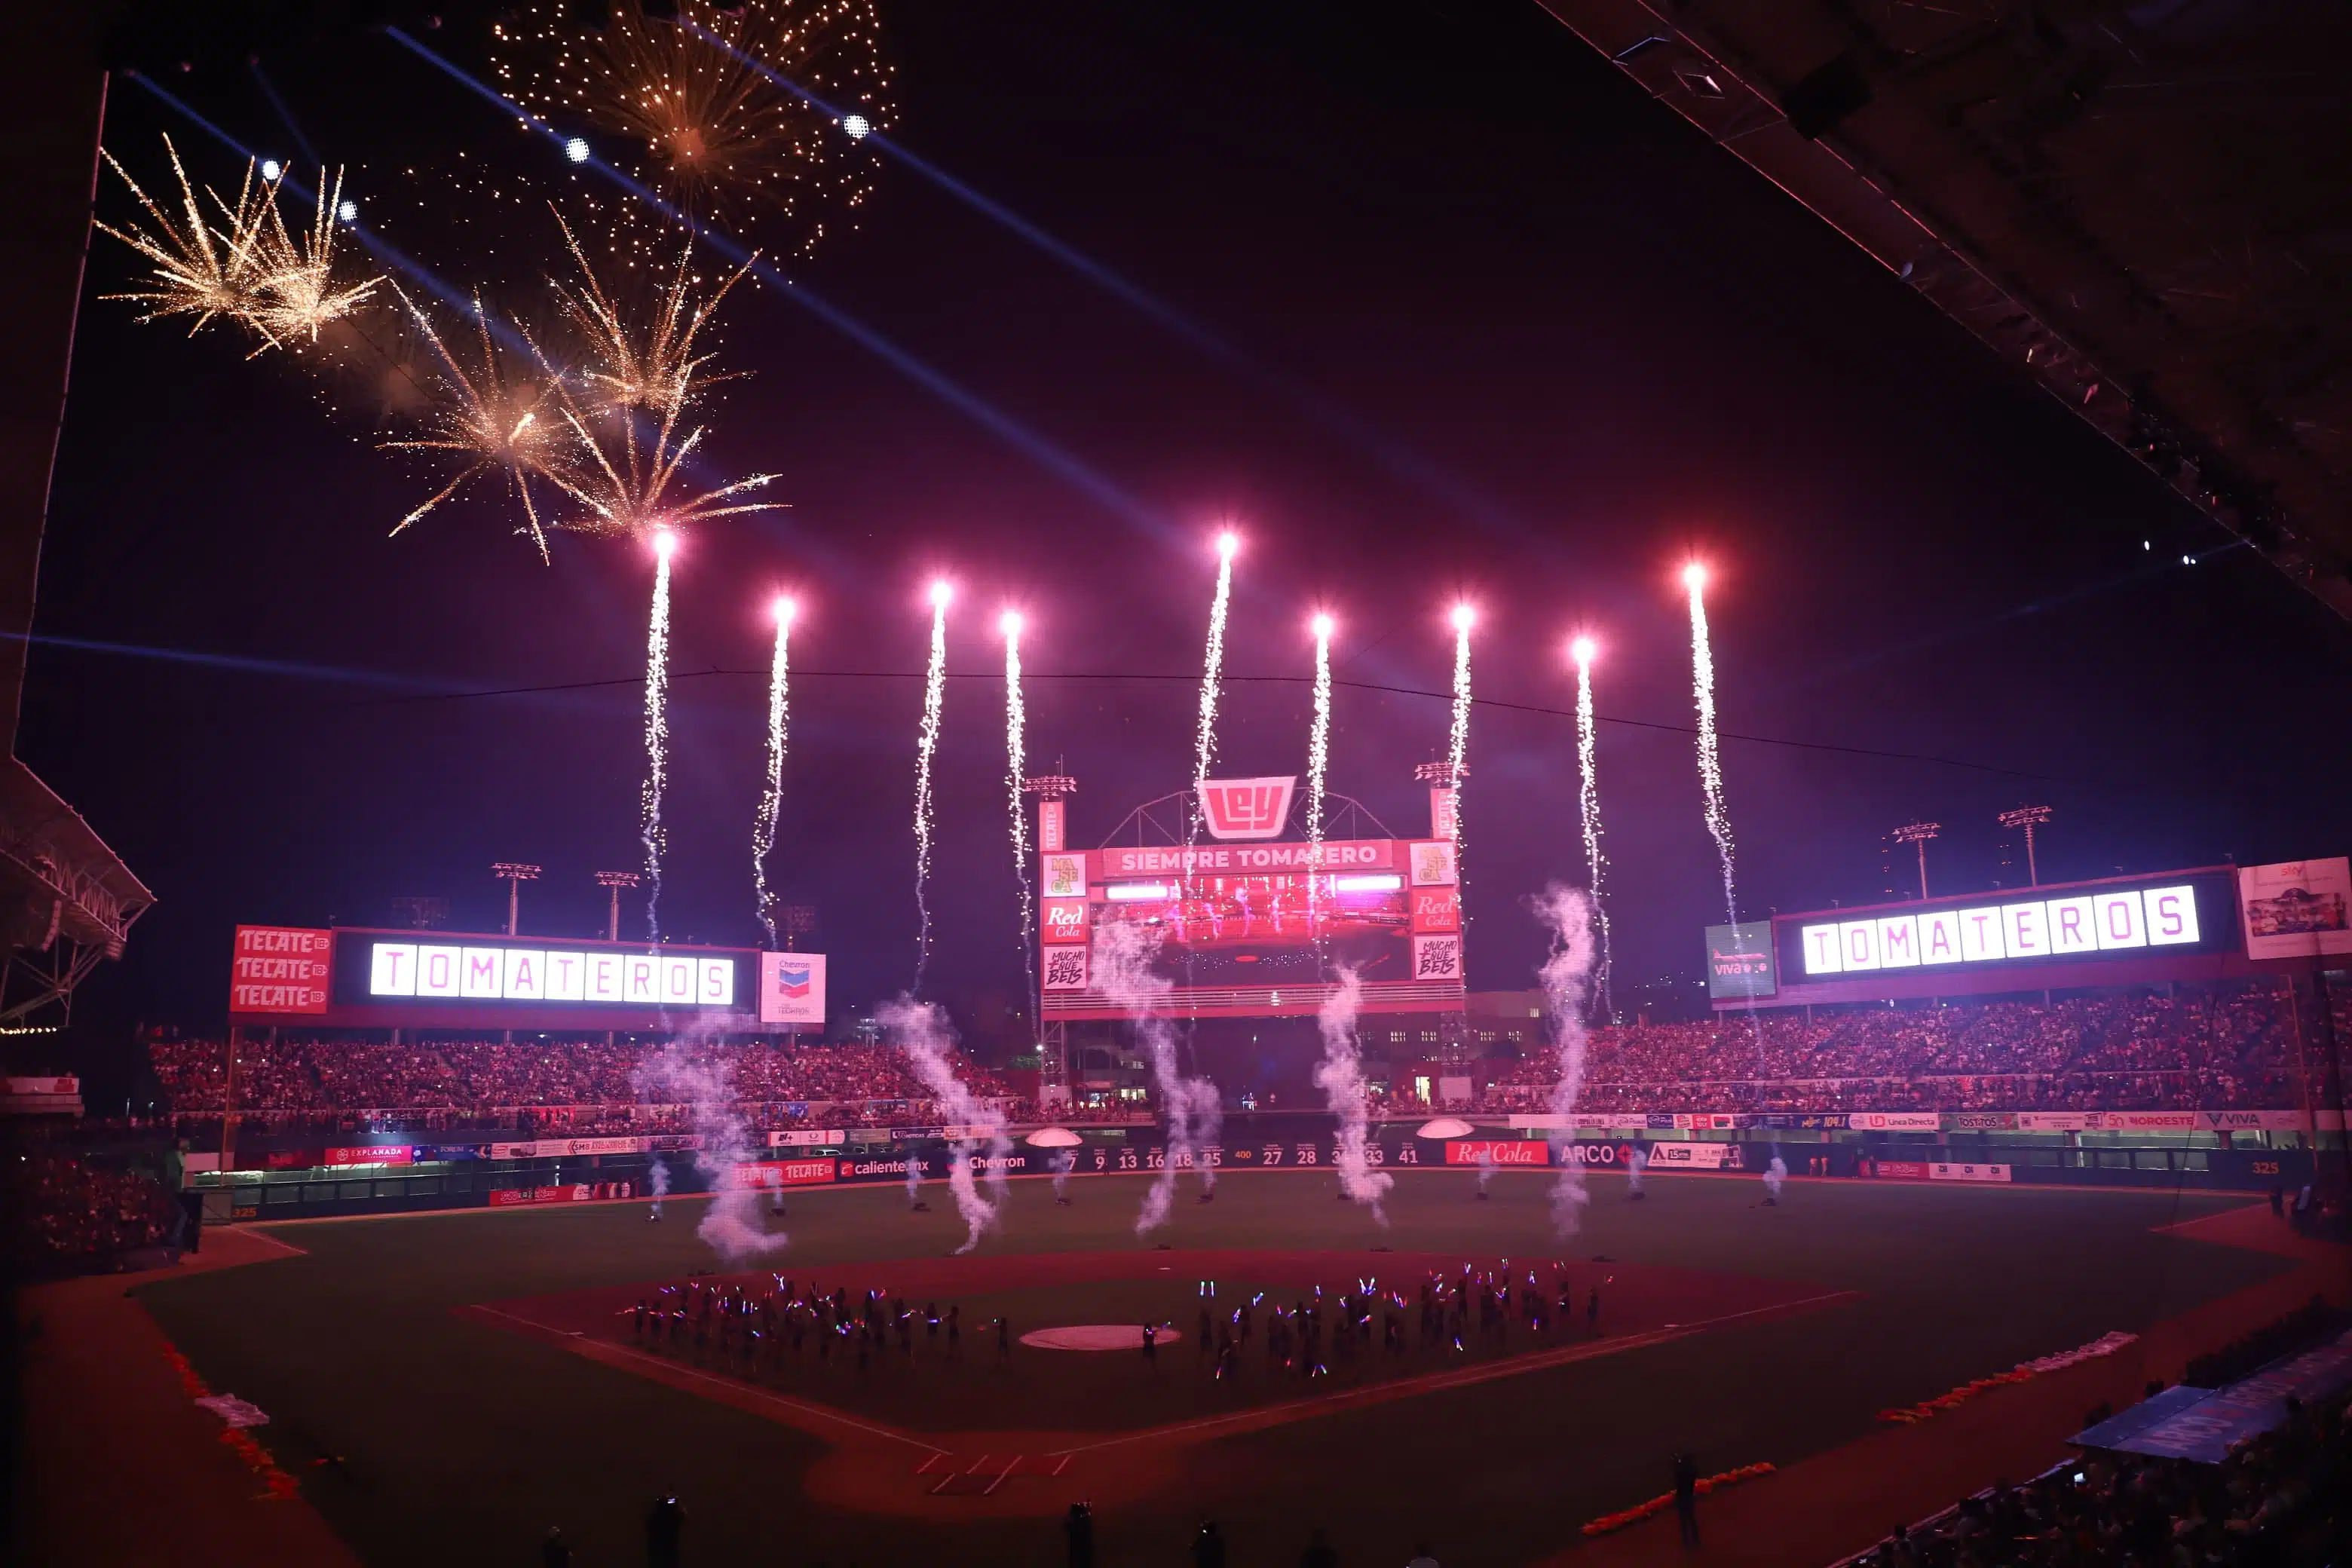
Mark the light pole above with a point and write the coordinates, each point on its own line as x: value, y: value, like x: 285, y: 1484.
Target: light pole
x: 616, y: 880
x: 2028, y: 818
x: 515, y: 875
x: 795, y: 921
x: 1918, y: 832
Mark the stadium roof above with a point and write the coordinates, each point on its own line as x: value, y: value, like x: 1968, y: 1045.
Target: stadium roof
x: 2147, y: 207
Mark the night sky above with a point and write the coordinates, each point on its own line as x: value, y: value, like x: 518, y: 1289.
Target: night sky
x: 1499, y: 327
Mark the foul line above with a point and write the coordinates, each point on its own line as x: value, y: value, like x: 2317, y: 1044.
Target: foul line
x: 1439, y: 1381
x: 606, y: 1350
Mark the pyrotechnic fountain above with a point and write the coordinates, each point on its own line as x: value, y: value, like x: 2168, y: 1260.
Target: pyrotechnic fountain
x: 1588, y: 798
x: 772, y: 793
x: 1710, y: 763
x: 649, y: 799
x: 1016, y: 726
x: 1319, y: 758
x: 1340, y: 1076
x: 1213, y: 670
x: 927, y: 744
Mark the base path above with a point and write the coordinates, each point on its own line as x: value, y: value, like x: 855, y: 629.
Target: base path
x: 117, y: 1463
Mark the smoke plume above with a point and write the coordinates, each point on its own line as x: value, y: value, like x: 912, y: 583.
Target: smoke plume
x: 1340, y: 1076
x: 682, y: 1074
x: 921, y: 1030
x: 1566, y: 977
x: 1124, y: 959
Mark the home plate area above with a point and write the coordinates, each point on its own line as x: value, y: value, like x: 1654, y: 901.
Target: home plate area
x: 975, y: 1372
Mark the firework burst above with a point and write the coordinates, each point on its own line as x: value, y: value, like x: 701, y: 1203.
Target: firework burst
x: 239, y: 260
x: 497, y: 415
x: 684, y: 105
x: 639, y: 379
x: 204, y: 266
x: 301, y: 289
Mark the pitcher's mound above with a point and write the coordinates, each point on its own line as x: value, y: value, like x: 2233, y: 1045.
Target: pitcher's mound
x: 1095, y: 1337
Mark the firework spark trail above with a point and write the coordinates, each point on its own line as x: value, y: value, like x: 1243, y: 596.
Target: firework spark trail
x: 772, y: 793
x: 1457, y: 746
x: 1016, y: 764
x: 649, y: 800
x: 1319, y: 757
x: 1710, y: 760
x: 1212, y: 672
x: 1566, y: 977
x: 921, y: 1030
x: 1596, y: 862
x: 1340, y: 1076
x: 926, y: 744
x: 1124, y: 959
x: 1710, y: 763
x: 682, y: 1075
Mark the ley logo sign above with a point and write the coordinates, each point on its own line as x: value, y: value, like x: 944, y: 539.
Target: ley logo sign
x: 1247, y: 808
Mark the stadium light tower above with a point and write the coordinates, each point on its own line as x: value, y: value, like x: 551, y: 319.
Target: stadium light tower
x: 795, y: 920
x: 1918, y: 832
x: 2029, y: 817
x: 514, y: 874
x: 616, y: 880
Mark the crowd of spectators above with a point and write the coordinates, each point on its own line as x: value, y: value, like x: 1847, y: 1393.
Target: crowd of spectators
x: 65, y: 1209
x: 572, y: 1087
x: 2284, y: 1497
x: 2211, y: 1048
x: 2207, y: 1048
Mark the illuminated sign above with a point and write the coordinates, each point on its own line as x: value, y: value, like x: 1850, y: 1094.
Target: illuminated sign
x: 657, y: 979
x: 1245, y: 808
x: 792, y: 988
x: 280, y: 969
x: 2089, y: 922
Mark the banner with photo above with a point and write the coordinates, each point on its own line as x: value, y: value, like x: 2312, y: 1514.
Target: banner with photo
x: 2296, y: 908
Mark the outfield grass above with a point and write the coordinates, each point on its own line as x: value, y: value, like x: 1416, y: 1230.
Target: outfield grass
x: 462, y: 1440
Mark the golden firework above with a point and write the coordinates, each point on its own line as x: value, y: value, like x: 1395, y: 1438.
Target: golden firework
x: 297, y: 291
x: 501, y: 415
x: 639, y: 377
x: 694, y: 114
x: 202, y: 266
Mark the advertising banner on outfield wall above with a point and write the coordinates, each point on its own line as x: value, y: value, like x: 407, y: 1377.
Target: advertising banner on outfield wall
x: 1696, y: 1157
x: 1941, y: 1171
x: 1895, y: 1121
x: 781, y: 1173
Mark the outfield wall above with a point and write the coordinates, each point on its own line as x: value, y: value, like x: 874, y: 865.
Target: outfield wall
x: 407, y: 1184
